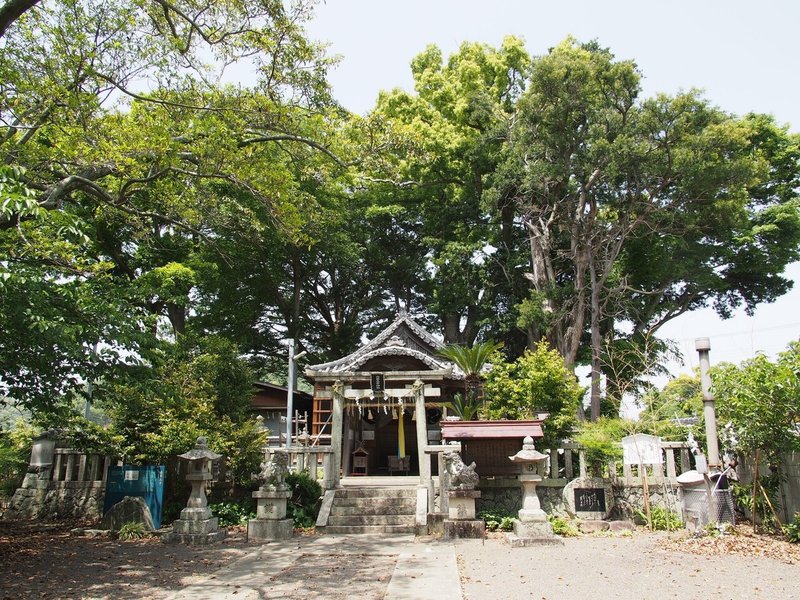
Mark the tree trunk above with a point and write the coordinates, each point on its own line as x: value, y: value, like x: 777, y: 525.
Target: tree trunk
x: 597, y: 342
x: 13, y: 10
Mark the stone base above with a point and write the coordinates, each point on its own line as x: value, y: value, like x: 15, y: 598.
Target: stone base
x: 435, y: 524
x: 593, y: 526
x: 525, y: 542
x: 196, y: 514
x: 269, y: 529
x: 195, y: 539
x: 463, y: 529
x: 196, y: 527
x: 621, y: 526
x: 532, y: 528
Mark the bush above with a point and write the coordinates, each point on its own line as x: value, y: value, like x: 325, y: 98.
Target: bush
x: 15, y: 451
x: 497, y: 519
x: 792, y: 530
x: 743, y: 495
x: 233, y: 513
x: 132, y: 531
x: 306, y: 499
x: 662, y: 519
x: 563, y: 526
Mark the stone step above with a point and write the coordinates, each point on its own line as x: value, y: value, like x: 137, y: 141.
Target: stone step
x: 388, y: 503
x: 367, y: 492
x: 406, y: 508
x: 358, y: 520
x: 351, y: 529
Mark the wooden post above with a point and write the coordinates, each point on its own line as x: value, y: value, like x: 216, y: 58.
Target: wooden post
x: 582, y: 463
x: 755, y: 491
x: 646, y: 494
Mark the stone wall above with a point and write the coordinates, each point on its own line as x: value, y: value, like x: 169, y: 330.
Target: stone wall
x: 51, y: 500
x: 505, y: 494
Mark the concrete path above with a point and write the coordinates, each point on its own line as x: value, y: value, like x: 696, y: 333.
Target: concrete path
x: 390, y: 567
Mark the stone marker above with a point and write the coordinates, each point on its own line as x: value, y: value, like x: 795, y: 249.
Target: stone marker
x: 531, y: 527
x: 131, y: 509
x: 271, y: 522
x: 196, y: 525
x: 588, y: 498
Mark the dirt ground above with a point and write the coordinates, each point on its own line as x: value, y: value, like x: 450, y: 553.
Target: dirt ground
x: 643, y: 566
x: 45, y: 561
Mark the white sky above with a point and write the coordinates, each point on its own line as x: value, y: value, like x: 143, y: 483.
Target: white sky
x: 743, y: 54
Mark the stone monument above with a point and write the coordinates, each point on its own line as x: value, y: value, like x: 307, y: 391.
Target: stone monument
x: 532, y: 526
x: 271, y: 522
x: 196, y: 525
x: 461, y: 521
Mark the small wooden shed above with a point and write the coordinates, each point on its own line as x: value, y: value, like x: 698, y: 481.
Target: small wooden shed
x: 490, y: 443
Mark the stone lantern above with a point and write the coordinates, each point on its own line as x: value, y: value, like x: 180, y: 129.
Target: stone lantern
x: 532, y: 525
x: 196, y: 524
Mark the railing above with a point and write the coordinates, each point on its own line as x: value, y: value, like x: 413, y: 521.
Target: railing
x: 563, y: 468
x: 317, y: 460
x: 70, y: 465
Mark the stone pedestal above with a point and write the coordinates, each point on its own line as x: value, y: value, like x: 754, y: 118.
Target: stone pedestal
x: 270, y: 522
x: 462, y: 522
x: 196, y: 527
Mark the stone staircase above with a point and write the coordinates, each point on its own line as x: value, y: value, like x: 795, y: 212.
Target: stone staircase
x: 372, y: 510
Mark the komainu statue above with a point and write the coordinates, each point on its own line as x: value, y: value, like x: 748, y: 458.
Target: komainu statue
x: 274, y: 470
x: 462, y: 476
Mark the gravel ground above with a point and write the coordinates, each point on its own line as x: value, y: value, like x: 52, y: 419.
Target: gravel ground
x: 44, y: 561
x: 642, y: 566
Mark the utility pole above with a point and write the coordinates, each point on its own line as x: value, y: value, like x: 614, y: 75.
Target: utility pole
x: 703, y: 345
x: 290, y: 384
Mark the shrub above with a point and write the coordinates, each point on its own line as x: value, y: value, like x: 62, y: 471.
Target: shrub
x: 132, y: 531
x: 306, y: 499
x: 563, y: 526
x: 497, y: 519
x: 233, y: 513
x: 662, y: 519
x: 792, y: 529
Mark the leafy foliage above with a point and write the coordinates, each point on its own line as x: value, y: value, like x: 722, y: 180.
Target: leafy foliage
x: 792, y: 530
x: 233, y: 513
x: 563, y: 526
x: 761, y: 401
x: 132, y: 531
x: 497, y: 519
x: 538, y: 381
x: 306, y: 499
x: 15, y: 451
x: 662, y: 519
x: 767, y: 484
x: 467, y: 409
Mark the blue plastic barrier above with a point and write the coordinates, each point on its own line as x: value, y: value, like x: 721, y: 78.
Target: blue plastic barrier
x: 146, y: 482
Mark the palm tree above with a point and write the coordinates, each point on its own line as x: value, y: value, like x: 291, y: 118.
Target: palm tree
x: 471, y: 361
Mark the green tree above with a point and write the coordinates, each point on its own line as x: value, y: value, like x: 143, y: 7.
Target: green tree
x: 595, y: 169
x: 760, y: 400
x: 444, y: 145
x: 538, y: 381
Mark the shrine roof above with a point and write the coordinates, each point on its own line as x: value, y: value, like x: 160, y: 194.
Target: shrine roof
x: 404, y: 337
x: 465, y: 430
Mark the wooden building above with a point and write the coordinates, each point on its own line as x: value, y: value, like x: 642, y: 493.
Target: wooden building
x: 385, y: 400
x: 269, y: 402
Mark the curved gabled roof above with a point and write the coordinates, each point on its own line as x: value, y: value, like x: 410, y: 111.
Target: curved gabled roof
x: 403, y: 337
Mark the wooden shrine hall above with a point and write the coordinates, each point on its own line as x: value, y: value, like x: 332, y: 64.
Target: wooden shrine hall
x: 379, y: 405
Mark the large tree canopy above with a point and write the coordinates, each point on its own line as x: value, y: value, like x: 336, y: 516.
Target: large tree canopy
x: 508, y: 197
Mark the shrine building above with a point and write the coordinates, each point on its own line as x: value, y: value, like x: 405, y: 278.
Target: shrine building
x: 381, y: 404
